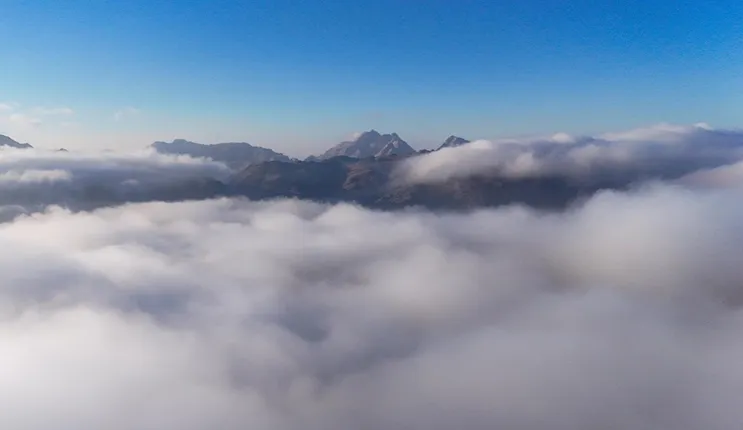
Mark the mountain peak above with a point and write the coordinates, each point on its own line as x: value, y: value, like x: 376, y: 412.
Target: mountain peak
x: 368, y: 136
x: 453, y: 141
x: 370, y: 144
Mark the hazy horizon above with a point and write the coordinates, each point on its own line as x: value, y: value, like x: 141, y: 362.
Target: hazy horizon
x: 428, y: 145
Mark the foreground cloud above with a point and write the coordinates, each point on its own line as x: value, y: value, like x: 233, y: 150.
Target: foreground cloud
x: 622, y: 314
x: 660, y: 151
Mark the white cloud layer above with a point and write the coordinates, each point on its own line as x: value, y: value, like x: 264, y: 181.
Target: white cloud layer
x: 662, y: 149
x: 622, y: 314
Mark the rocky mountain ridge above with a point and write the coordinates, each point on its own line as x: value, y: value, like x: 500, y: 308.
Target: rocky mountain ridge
x: 369, y: 144
x: 236, y: 155
x: 9, y: 142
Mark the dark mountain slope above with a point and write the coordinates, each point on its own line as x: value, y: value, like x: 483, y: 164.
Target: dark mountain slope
x: 236, y: 155
x: 8, y: 142
x: 370, y: 182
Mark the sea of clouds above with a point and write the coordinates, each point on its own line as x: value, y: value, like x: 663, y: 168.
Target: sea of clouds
x: 624, y: 312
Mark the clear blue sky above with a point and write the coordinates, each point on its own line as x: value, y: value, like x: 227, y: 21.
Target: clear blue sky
x: 300, y: 75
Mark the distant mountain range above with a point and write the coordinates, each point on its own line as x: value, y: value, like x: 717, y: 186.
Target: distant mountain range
x: 238, y: 155
x: 7, y: 141
x: 361, y: 171
x: 369, y: 144
x: 235, y: 155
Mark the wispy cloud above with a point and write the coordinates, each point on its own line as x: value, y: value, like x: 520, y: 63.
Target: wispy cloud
x: 68, y: 124
x: 24, y: 120
x: 44, y: 111
x: 30, y: 117
x: 126, y: 112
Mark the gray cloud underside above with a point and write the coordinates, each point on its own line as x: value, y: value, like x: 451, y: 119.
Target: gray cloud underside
x: 624, y: 313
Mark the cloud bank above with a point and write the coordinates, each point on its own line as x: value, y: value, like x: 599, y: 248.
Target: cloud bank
x: 663, y: 151
x: 37, y: 178
x: 624, y: 313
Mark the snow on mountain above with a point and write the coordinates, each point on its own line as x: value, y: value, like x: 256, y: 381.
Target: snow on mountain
x: 370, y: 144
x: 453, y: 141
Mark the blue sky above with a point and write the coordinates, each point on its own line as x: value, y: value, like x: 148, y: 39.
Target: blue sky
x: 301, y: 75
